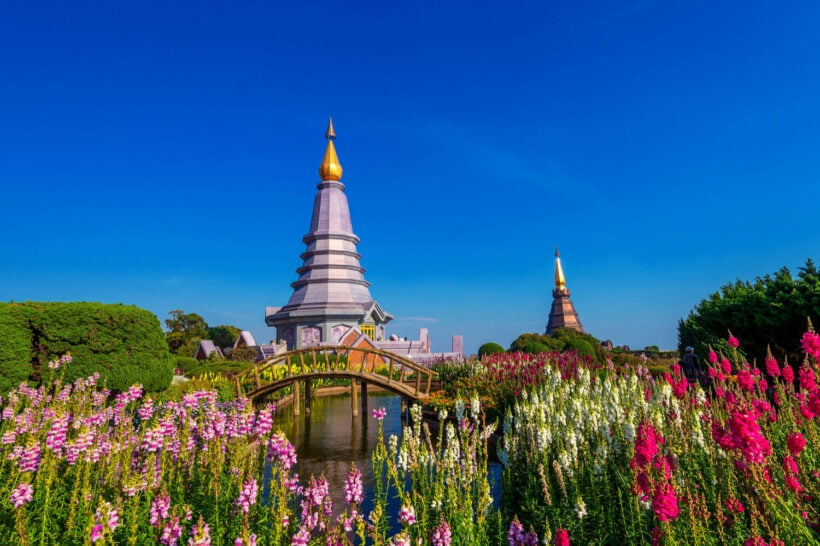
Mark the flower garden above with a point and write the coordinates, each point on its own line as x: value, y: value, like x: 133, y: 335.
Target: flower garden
x: 591, y: 455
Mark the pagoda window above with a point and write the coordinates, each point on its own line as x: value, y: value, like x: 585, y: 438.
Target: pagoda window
x: 368, y: 329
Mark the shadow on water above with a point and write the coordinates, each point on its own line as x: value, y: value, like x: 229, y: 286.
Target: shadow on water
x: 330, y: 439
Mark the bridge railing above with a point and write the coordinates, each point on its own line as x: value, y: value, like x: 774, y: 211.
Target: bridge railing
x: 337, y: 361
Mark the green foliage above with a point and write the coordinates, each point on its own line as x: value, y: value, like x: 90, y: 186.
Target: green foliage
x: 226, y: 390
x: 533, y: 347
x: 581, y: 346
x: 559, y: 340
x: 15, y: 346
x: 223, y: 335
x: 123, y: 343
x: 245, y: 354
x: 490, y: 349
x: 450, y: 373
x: 186, y: 364
x: 771, y: 311
x: 227, y: 368
x: 183, y: 329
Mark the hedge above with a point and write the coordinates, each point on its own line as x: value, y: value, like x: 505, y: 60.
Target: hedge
x: 124, y: 343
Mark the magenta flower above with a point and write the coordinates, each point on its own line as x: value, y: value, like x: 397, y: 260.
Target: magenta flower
x: 808, y: 381
x: 796, y: 443
x: 22, y: 494
x: 665, y: 503
x: 379, y: 413
x: 772, y: 368
x: 811, y: 344
x: 733, y: 341
x: 561, y: 537
x: 96, y: 533
x: 787, y: 373
x: 734, y: 505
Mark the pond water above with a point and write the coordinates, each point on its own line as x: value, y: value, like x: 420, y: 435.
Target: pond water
x: 330, y: 438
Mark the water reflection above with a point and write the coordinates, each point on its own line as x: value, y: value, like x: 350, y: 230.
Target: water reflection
x: 330, y: 439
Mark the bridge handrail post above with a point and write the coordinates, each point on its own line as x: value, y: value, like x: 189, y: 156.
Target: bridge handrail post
x: 256, y: 380
x: 390, y: 372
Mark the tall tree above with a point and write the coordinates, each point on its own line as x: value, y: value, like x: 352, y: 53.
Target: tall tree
x: 769, y: 312
x: 223, y: 335
x: 183, y: 329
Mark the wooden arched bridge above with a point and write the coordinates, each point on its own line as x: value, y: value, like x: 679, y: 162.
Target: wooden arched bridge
x: 363, y: 365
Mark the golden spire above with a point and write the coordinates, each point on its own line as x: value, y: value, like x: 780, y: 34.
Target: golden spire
x: 330, y: 169
x: 560, y: 281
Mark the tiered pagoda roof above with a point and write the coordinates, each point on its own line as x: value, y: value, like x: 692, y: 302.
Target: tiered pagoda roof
x: 331, y: 280
x: 562, y: 313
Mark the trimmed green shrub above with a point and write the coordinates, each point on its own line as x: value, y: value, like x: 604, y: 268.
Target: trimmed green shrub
x: 124, y: 343
x: 581, y: 346
x: 533, y: 347
x: 490, y: 349
x: 186, y: 364
x: 15, y: 346
x: 227, y: 368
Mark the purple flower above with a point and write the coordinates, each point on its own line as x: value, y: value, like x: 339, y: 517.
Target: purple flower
x: 301, y: 538
x: 353, y: 486
x: 200, y: 534
x: 247, y: 497
x: 21, y: 495
x: 159, y: 509
x: 379, y: 413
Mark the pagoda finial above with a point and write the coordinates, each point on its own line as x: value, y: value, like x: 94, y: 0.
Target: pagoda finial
x: 560, y: 281
x: 330, y: 169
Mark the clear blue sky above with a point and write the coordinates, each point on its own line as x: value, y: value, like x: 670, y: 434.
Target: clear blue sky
x: 165, y: 154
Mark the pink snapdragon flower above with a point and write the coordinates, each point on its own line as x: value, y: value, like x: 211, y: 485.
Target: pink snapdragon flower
x: 407, y: 515
x: 665, y: 502
x: 561, y: 537
x: 733, y: 342
x: 442, y: 536
x: 200, y: 534
x: 247, y: 497
x: 379, y: 413
x: 796, y: 443
x: 811, y: 344
x: 772, y: 368
x: 787, y: 373
x: 354, y: 492
x: 22, y: 494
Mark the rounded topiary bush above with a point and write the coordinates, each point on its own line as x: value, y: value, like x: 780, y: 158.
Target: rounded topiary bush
x: 533, y: 347
x: 124, y: 343
x: 581, y: 346
x: 490, y: 349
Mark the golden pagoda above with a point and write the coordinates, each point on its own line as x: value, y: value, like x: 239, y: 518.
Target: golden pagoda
x: 562, y: 313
